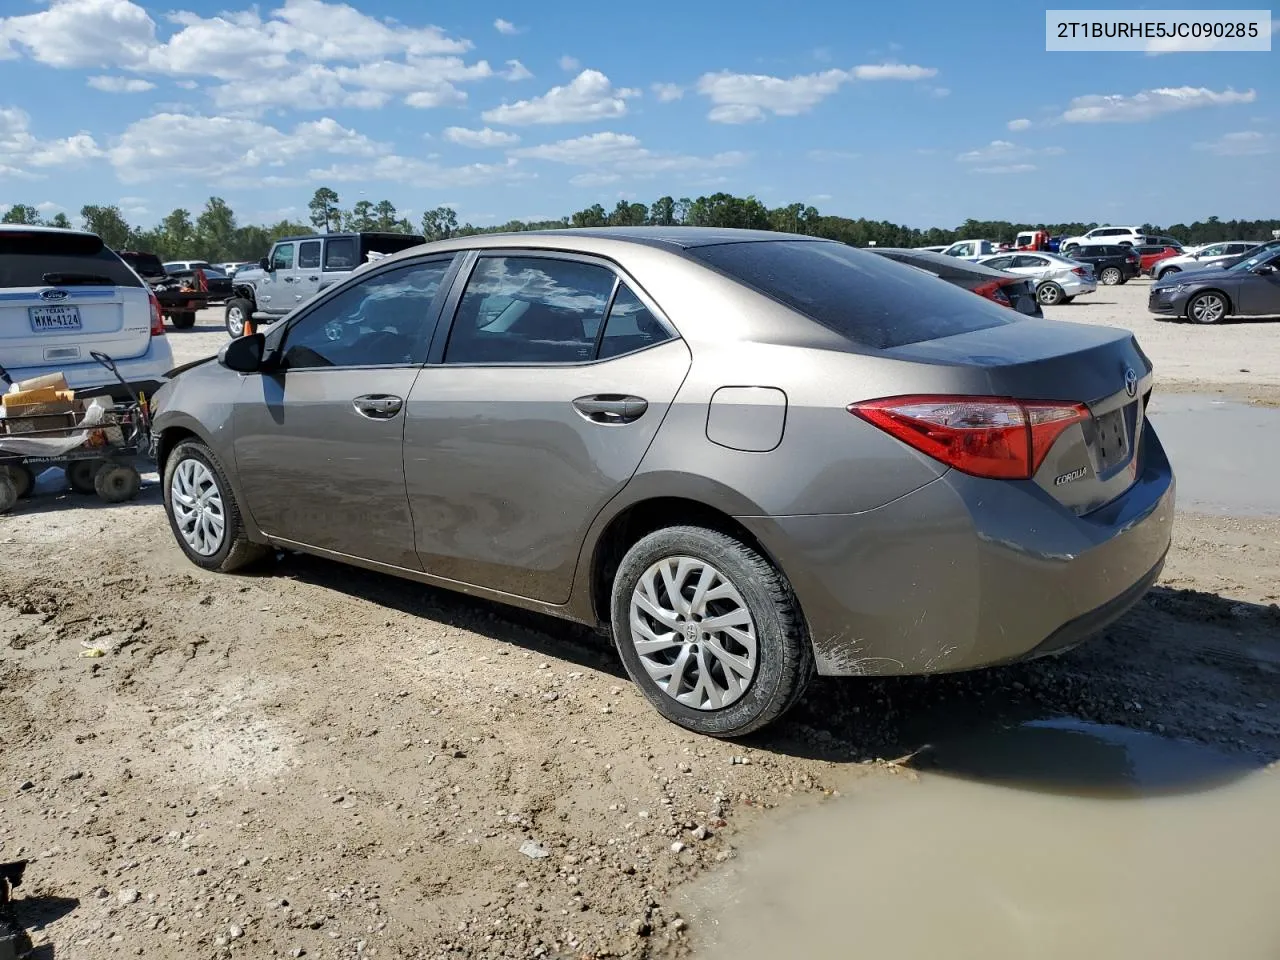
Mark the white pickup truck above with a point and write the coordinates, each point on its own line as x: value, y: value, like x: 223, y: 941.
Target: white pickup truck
x: 971, y: 249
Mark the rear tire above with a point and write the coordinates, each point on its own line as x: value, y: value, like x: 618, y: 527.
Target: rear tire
x: 1110, y: 276
x: 184, y: 320
x: 751, y: 590
x: 196, y: 473
x: 80, y: 475
x: 239, y: 312
x: 24, y: 480
x: 117, y: 482
x: 1166, y: 271
x: 1049, y: 294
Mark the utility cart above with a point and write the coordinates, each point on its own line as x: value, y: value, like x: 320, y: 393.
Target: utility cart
x: 97, y: 442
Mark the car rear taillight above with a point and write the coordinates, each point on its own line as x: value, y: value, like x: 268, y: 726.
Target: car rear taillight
x: 157, y: 317
x: 1080, y: 271
x: 984, y: 436
x: 993, y: 291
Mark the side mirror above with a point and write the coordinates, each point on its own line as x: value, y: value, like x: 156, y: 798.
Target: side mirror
x: 243, y: 354
x: 1264, y: 269
x: 264, y: 264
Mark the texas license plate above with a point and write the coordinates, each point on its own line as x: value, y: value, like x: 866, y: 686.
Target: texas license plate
x: 54, y: 318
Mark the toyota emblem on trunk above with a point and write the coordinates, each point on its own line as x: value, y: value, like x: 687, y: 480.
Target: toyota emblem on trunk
x: 1130, y: 382
x: 53, y: 295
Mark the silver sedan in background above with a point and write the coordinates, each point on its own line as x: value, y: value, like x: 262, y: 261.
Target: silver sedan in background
x: 1058, y: 279
x: 747, y: 456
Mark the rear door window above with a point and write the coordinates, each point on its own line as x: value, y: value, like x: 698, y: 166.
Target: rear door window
x: 631, y: 326
x: 871, y: 301
x: 309, y: 255
x: 340, y: 253
x: 39, y: 259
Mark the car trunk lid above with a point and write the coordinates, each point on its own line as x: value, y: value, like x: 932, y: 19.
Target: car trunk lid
x: 1093, y: 461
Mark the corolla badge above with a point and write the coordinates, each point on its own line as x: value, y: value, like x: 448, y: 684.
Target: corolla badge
x: 1130, y: 382
x: 53, y: 296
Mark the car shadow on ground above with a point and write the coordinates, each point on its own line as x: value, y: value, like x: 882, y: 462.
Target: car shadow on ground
x: 50, y: 497
x: 211, y: 326
x: 1183, y: 665
x: 35, y: 913
x: 518, y: 628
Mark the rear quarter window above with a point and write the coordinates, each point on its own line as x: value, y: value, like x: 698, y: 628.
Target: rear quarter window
x: 26, y: 258
x: 872, y: 301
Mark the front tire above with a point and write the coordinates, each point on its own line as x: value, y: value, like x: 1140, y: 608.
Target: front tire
x: 117, y: 482
x: 1049, y: 294
x: 203, y: 512
x: 81, y: 474
x: 1166, y: 271
x: 1110, y: 276
x: 239, y: 312
x: 725, y: 680
x: 1208, y: 307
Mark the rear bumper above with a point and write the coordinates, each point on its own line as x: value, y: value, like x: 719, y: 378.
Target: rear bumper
x: 967, y: 573
x: 145, y: 372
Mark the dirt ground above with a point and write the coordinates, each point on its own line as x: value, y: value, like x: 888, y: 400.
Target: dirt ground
x: 317, y: 761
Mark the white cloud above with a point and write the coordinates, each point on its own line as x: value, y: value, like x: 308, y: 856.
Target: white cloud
x: 1022, y: 123
x: 416, y: 172
x: 569, y: 64
x: 1007, y: 168
x: 623, y: 154
x: 594, y: 179
x: 893, y: 71
x: 589, y: 96
x: 1004, y: 153
x: 121, y: 84
x: 480, y: 138
x: 741, y: 97
x: 1117, y: 108
x: 1245, y: 143
x: 80, y: 33
x: 666, y: 92
x: 21, y: 150
x: 517, y: 71
x: 939, y: 92
x: 505, y: 27
x: 228, y: 150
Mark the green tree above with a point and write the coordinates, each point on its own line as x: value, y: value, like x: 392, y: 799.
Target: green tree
x: 108, y: 223
x: 325, y: 214
x: 21, y: 213
x: 628, y: 214
x: 179, y: 234
x: 215, y: 229
x: 440, y: 223
x: 361, y: 217
x: 662, y: 212
x: 593, y: 216
x: 60, y: 220
x: 385, y: 217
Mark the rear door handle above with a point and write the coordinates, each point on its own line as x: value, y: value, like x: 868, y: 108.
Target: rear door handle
x: 377, y: 406
x: 611, y: 408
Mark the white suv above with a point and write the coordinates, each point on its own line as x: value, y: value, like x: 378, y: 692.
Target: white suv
x: 64, y: 295
x: 1103, y: 236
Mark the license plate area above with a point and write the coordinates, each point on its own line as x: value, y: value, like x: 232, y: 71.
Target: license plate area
x: 1112, y: 434
x: 62, y: 317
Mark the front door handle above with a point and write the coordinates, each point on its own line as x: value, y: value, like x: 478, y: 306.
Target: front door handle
x: 611, y: 408
x: 377, y: 406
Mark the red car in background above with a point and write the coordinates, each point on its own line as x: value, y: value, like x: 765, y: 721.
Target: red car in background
x: 1149, y: 256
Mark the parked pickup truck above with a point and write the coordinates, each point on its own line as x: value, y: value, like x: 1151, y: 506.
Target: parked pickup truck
x: 179, y: 296
x: 298, y: 268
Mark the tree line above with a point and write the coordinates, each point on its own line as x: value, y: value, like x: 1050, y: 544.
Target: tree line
x: 215, y: 235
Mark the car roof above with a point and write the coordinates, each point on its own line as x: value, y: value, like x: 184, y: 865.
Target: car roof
x: 32, y: 228
x: 603, y: 240
x: 927, y: 258
x: 342, y: 235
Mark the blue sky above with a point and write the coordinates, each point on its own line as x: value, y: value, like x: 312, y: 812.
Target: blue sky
x: 917, y: 113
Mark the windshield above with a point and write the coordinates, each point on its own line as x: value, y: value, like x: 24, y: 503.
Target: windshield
x: 1266, y: 256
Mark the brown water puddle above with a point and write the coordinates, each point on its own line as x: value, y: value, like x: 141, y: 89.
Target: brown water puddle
x: 1053, y: 839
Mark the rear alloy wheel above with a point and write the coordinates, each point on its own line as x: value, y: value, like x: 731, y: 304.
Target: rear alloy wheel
x: 203, y: 512
x: 239, y: 312
x: 1049, y: 293
x: 1110, y: 276
x: 184, y: 320
x: 709, y: 631
x: 1207, y: 307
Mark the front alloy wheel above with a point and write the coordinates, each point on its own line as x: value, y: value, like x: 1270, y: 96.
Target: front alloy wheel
x: 1207, y: 308
x: 198, y: 511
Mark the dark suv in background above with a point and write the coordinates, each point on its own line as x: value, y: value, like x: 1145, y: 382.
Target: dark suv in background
x: 1111, y: 264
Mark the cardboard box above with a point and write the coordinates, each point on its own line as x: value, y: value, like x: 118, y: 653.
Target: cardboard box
x: 41, y: 415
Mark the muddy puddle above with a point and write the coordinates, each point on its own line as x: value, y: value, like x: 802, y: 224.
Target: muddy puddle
x: 1223, y: 453
x: 1049, y: 839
